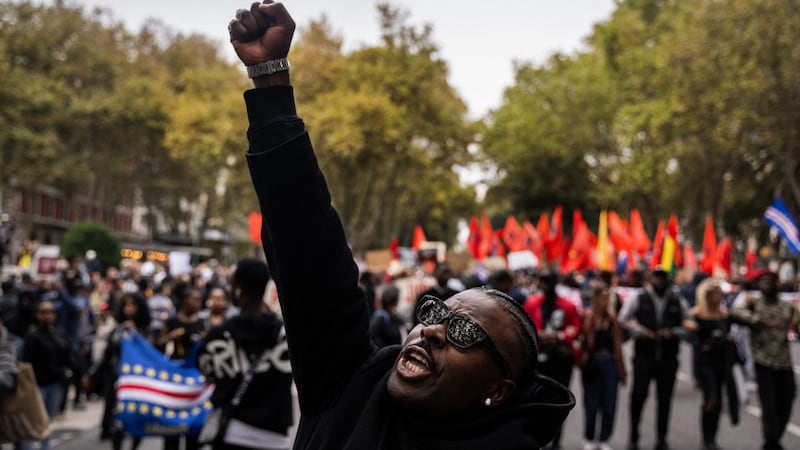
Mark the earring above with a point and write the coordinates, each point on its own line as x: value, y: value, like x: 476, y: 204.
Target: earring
x: 487, y: 402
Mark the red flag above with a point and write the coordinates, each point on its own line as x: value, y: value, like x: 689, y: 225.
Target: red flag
x: 724, y: 250
x: 579, y: 255
x: 709, y: 259
x: 640, y: 240
x: 689, y: 258
x: 485, y: 246
x: 255, y: 222
x: 543, y: 227
x: 673, y: 232
x: 658, y: 242
x: 394, y: 248
x: 533, y: 240
x: 474, y: 238
x: 750, y: 260
x: 419, y: 237
x: 512, y: 235
x: 577, y: 222
x: 618, y: 232
x: 498, y: 249
x: 555, y: 244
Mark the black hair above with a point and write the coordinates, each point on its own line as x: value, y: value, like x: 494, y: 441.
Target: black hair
x: 526, y: 331
x: 500, y: 276
x: 142, y: 319
x: 251, y: 276
x: 390, y: 296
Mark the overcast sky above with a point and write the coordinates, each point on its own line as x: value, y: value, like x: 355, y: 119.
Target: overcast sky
x: 479, y: 39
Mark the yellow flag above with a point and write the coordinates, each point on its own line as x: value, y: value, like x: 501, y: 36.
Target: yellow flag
x: 603, y: 261
x: 668, y: 255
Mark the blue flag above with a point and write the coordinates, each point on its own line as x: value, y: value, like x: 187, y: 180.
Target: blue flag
x: 157, y: 396
x: 778, y: 216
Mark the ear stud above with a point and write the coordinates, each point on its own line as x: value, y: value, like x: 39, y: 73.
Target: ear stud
x: 487, y: 402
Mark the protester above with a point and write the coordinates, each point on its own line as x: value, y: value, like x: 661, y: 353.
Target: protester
x: 386, y: 327
x: 770, y: 320
x: 182, y: 332
x: 48, y: 351
x: 262, y: 418
x: 656, y: 319
x: 602, y: 366
x: 714, y: 355
x: 161, y: 309
x: 132, y: 316
x: 218, y: 308
x: 559, y: 326
x: 464, y: 377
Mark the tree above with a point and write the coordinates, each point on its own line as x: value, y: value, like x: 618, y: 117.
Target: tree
x: 388, y: 130
x: 84, y: 236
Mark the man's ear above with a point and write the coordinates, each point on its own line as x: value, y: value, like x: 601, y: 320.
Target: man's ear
x: 501, y: 390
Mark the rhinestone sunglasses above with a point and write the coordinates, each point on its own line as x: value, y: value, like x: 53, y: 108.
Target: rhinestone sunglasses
x: 462, y: 332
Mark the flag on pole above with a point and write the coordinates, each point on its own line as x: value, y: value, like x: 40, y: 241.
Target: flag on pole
x: 640, y: 240
x: 512, y: 235
x: 255, y: 222
x: 394, y: 248
x: 555, y: 244
x: 670, y: 249
x: 157, y: 396
x: 603, y: 259
x: 709, y: 259
x: 658, y: 244
x: 419, y: 237
x: 779, y: 217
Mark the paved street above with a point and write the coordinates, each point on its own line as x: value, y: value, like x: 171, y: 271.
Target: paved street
x: 79, y: 430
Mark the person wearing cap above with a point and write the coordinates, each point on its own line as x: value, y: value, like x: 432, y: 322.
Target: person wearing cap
x: 465, y: 377
x: 770, y: 320
x: 656, y: 319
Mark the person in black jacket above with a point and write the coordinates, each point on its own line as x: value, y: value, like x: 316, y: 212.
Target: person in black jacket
x: 385, y: 326
x: 47, y: 349
x: 657, y: 319
x: 264, y: 415
x: 464, y: 378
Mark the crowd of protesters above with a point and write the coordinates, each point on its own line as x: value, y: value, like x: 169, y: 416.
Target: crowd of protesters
x: 70, y: 328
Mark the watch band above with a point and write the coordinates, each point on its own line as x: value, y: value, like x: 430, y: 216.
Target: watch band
x: 268, y: 67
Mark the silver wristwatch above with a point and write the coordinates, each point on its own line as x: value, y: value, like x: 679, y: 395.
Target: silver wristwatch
x: 267, y: 67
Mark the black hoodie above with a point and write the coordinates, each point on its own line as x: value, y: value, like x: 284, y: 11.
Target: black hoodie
x: 340, y: 376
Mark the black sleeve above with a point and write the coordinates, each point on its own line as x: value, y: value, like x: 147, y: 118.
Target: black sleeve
x: 324, y: 310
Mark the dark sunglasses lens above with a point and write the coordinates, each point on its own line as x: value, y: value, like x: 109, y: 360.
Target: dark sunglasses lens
x: 432, y: 311
x: 464, y: 333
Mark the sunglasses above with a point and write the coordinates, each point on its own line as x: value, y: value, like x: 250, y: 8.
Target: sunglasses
x: 462, y: 332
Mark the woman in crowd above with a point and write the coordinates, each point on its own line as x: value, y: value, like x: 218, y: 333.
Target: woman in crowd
x: 713, y: 358
x: 602, y: 366
x: 183, y: 332
x: 132, y: 315
x: 48, y: 351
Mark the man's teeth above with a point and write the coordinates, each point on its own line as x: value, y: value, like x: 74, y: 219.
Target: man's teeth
x: 413, y: 366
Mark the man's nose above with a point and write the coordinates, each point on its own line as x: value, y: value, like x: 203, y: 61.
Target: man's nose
x: 436, y: 334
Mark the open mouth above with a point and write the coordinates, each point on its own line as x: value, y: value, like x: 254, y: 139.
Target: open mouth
x: 414, y: 363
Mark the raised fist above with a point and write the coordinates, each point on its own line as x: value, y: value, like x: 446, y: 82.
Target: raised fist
x: 262, y: 33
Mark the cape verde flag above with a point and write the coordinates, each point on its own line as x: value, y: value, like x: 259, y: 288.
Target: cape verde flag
x: 778, y: 216
x: 157, y: 396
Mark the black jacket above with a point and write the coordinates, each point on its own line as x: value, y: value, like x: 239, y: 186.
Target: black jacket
x: 224, y: 357
x: 340, y: 376
x: 48, y: 352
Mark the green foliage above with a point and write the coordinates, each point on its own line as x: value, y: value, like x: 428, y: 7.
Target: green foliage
x: 84, y: 236
x: 388, y: 130
x: 677, y: 106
